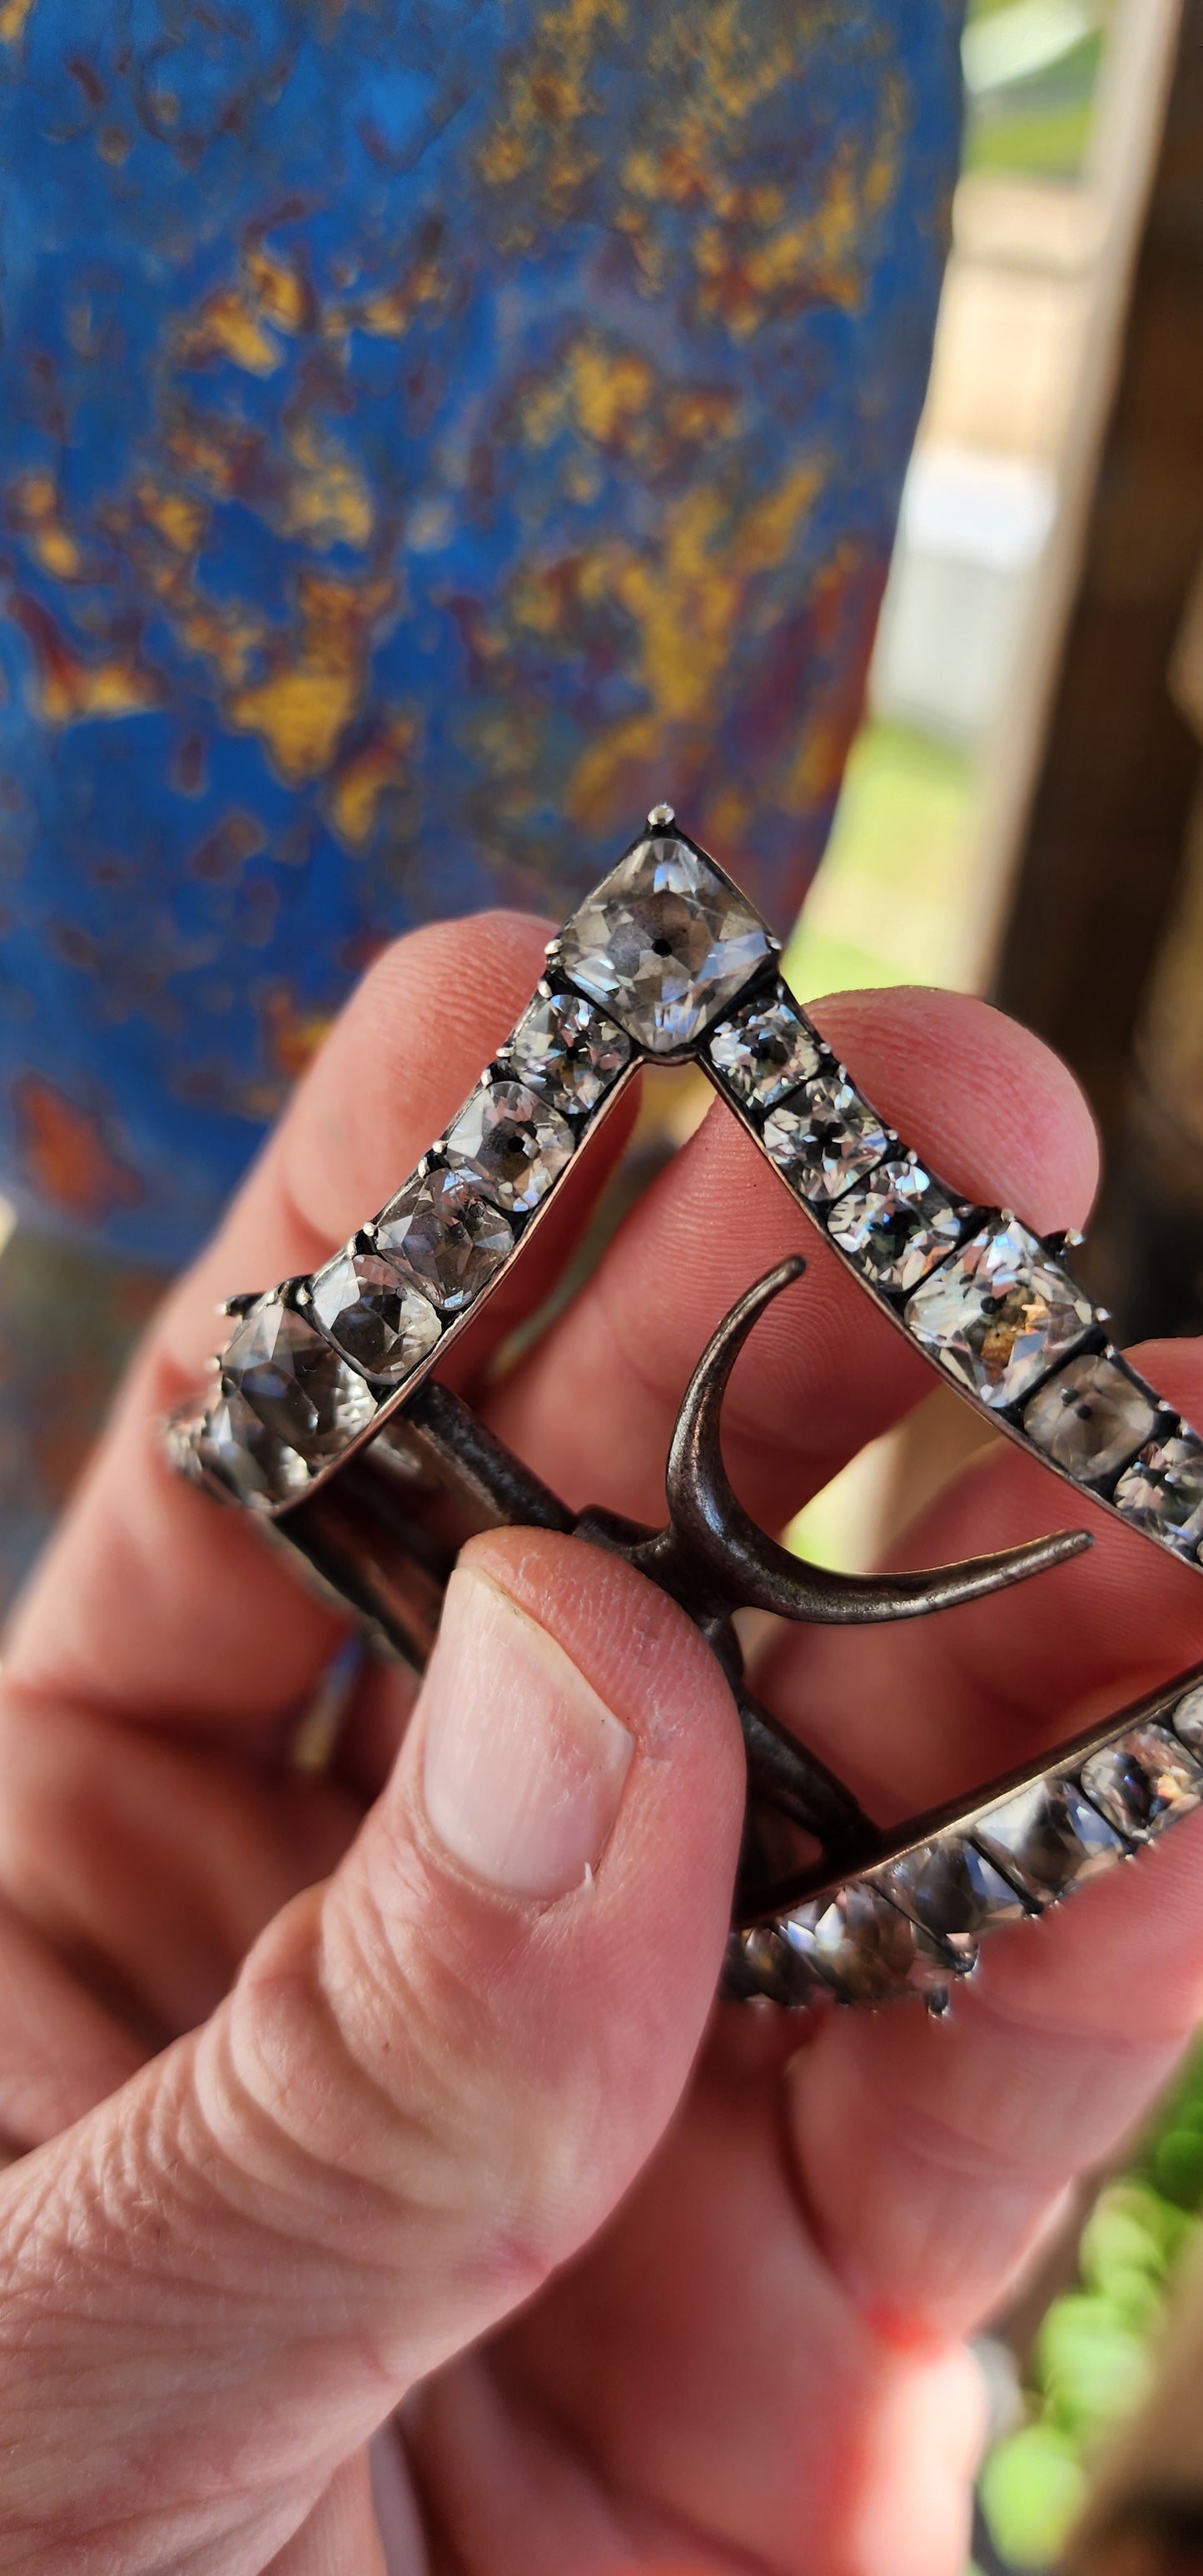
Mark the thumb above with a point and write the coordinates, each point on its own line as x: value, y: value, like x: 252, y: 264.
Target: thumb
x: 434, y: 2078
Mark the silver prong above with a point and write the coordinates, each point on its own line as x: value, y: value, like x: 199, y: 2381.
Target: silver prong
x: 659, y: 816
x: 1063, y: 1239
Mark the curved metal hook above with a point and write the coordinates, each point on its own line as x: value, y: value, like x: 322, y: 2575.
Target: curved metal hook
x: 749, y: 1567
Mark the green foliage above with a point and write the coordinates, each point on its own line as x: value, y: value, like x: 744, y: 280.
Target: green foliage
x: 1031, y: 2487
x: 1042, y: 141
x: 1091, y: 2358
x: 887, y: 902
x: 1090, y: 2365
x: 1178, y: 2163
x: 1172, y: 2160
x: 1130, y: 2241
x: 1036, y: 123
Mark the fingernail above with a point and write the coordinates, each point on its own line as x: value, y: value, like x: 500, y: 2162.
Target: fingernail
x: 523, y: 1764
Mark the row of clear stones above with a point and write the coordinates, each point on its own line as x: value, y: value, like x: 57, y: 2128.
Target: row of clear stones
x: 914, y: 1924
x: 305, y: 1371
x: 1007, y: 1322
x: 657, y: 954
x: 663, y: 944
x: 997, y: 1312
x: 885, y: 1212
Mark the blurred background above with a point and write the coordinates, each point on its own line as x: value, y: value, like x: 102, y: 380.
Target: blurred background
x: 1021, y: 817
x: 422, y: 447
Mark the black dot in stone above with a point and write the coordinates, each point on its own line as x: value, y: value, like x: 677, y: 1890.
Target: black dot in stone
x: 662, y: 948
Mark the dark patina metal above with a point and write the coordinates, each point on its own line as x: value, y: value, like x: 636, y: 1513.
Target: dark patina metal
x: 384, y: 1535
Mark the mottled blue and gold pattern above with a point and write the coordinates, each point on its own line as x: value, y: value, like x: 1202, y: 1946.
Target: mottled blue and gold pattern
x: 428, y: 433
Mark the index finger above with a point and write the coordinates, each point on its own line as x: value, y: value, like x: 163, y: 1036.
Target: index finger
x: 150, y: 1599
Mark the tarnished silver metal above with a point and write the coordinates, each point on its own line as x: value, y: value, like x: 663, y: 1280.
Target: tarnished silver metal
x: 328, y: 1423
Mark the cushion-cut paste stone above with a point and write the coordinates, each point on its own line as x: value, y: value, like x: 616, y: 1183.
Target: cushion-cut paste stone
x: 663, y: 943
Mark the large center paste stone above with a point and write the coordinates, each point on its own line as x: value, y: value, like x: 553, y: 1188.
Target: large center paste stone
x: 664, y: 943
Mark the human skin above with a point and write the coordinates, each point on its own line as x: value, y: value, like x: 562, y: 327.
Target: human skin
x: 402, y: 2086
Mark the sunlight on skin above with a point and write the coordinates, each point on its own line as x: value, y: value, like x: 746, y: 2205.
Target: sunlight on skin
x: 714, y: 2293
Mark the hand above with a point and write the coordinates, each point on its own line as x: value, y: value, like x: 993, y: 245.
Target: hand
x: 402, y: 2083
